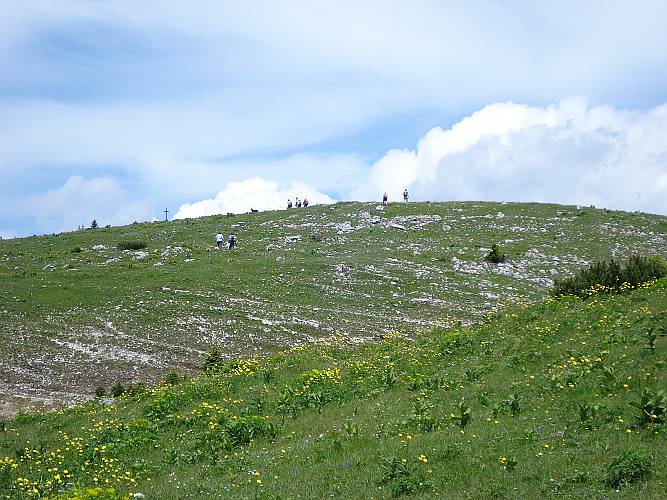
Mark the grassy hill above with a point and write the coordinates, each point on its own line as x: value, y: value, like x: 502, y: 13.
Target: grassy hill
x: 76, y: 312
x: 535, y: 401
x: 360, y: 353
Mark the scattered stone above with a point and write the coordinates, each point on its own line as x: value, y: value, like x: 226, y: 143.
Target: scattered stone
x: 168, y: 251
x: 397, y: 226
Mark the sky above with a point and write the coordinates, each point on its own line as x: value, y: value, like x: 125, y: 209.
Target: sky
x: 116, y: 110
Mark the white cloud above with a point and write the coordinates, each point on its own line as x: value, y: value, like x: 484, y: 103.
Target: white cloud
x: 570, y: 153
x: 80, y: 200
x: 253, y: 193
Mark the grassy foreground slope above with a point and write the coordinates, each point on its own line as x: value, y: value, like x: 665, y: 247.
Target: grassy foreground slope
x: 531, y: 402
x: 76, y: 312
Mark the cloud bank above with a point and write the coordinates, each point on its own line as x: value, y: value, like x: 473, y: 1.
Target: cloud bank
x: 570, y: 153
x: 254, y: 193
x: 79, y: 200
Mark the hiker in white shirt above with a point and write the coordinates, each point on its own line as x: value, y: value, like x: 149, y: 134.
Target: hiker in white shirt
x: 219, y: 240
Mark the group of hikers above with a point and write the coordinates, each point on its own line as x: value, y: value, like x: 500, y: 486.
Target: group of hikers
x: 231, y: 241
x: 385, y: 197
x: 298, y: 203
x: 220, y: 240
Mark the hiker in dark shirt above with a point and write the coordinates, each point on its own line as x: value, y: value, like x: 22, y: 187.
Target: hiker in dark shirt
x: 232, y: 241
x: 385, y: 197
x: 305, y: 202
x: 289, y: 203
x: 405, y: 195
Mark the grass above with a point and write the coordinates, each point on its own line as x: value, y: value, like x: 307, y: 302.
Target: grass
x: 346, y: 357
x: 533, y: 401
x: 73, y: 321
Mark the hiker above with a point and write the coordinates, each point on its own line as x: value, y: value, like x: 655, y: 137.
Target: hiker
x: 298, y: 203
x: 385, y: 197
x: 289, y: 203
x: 219, y: 239
x: 305, y: 202
x: 405, y: 195
x: 232, y: 241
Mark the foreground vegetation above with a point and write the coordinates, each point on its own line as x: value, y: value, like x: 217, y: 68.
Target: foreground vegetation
x: 562, y: 398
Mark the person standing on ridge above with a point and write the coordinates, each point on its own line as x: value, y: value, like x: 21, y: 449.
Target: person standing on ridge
x: 405, y: 195
x: 385, y: 197
x: 305, y: 202
x: 289, y: 203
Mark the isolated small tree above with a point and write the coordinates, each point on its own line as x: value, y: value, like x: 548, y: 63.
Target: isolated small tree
x: 93, y: 225
x: 495, y: 255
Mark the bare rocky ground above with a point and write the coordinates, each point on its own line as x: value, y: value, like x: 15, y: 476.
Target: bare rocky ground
x: 76, y: 312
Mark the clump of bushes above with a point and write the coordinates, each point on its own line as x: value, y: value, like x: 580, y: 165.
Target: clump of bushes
x: 611, y: 276
x: 628, y: 468
x: 76, y: 249
x: 495, y: 256
x: 132, y: 245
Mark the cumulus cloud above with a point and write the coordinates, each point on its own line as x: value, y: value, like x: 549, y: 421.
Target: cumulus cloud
x: 253, y: 193
x: 569, y: 153
x: 79, y: 200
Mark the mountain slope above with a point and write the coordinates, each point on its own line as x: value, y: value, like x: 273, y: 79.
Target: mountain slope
x: 77, y: 312
x: 534, y: 401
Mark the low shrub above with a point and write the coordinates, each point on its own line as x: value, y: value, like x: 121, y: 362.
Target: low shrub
x: 495, y: 256
x: 629, y: 467
x: 214, y: 360
x: 117, y: 390
x: 172, y: 377
x: 611, y: 276
x: 132, y: 245
x: 76, y: 249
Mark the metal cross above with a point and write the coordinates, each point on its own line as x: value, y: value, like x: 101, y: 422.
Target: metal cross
x: 166, y: 212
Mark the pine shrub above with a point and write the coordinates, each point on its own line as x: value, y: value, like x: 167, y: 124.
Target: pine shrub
x: 611, y: 276
x: 495, y: 256
x: 132, y: 245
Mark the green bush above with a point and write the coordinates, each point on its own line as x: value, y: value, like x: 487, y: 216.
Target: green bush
x: 172, y: 377
x: 214, y: 360
x: 611, y: 276
x: 76, y: 249
x: 100, y: 392
x: 629, y: 467
x: 495, y: 256
x: 117, y: 390
x: 132, y: 245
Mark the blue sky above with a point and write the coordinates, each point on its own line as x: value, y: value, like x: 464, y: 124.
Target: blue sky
x: 114, y: 110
